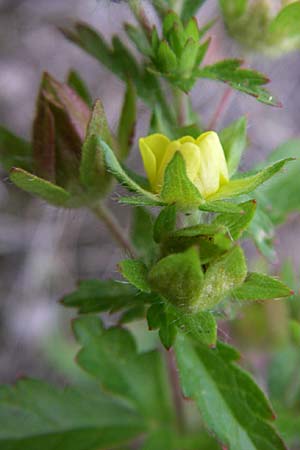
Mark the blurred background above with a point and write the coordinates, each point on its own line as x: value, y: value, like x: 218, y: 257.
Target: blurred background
x: 44, y: 250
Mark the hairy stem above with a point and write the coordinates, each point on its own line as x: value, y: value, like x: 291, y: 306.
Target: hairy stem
x: 112, y: 224
x: 176, y: 389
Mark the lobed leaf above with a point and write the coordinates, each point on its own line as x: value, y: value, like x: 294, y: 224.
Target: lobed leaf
x: 258, y: 286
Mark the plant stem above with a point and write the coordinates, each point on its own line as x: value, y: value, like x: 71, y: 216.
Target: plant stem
x: 176, y: 389
x: 180, y: 100
x: 106, y: 216
x: 220, y: 108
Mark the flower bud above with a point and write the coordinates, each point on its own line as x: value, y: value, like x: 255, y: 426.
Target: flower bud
x: 204, y: 158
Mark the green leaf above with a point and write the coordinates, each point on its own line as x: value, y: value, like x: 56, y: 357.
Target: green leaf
x: 35, y: 415
x: 78, y: 85
x: 189, y: 8
x: 232, y: 406
x: 93, y: 175
x: 262, y: 231
x: 203, y: 229
x: 179, y: 278
x: 14, y: 151
x: 127, y: 120
x: 166, y: 58
x: 222, y: 276
x: 165, y: 223
x: 177, y: 188
x: 245, y: 185
x: 98, y: 296
x: 236, y: 224
x: 34, y: 185
x: 280, y: 196
x: 286, y: 23
x: 139, y: 39
x: 116, y: 169
x: 201, y: 326
x: 140, y: 201
x: 167, y: 328
x: 132, y: 314
x: 234, y: 141
x: 140, y: 379
x: 136, y: 273
x: 245, y: 80
x: 142, y: 234
x: 258, y: 286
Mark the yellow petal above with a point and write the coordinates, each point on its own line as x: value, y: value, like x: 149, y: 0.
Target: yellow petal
x: 149, y: 161
x: 157, y: 143
x: 213, y: 171
x: 185, y: 139
x: 191, y: 155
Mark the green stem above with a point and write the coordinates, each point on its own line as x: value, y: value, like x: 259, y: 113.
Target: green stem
x: 176, y: 389
x: 112, y: 224
x: 181, y: 105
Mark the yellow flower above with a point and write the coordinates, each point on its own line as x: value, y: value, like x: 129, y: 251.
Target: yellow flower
x: 204, y: 159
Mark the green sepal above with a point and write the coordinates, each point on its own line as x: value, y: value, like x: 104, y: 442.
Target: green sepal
x: 178, y: 278
x: 165, y: 223
x: 14, y: 151
x: 236, y: 224
x: 245, y: 185
x: 220, y: 207
x: 234, y: 140
x: 177, y: 188
x: 136, y: 273
x: 142, y: 234
x: 116, y: 169
x: 166, y: 58
x: 41, y: 188
x: 140, y: 201
x: 222, y: 276
x: 258, y: 286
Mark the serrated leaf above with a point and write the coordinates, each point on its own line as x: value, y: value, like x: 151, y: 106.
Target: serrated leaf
x: 258, y: 286
x: 222, y: 276
x: 35, y: 415
x: 245, y: 80
x: 236, y: 224
x: 127, y: 120
x: 177, y: 188
x: 132, y: 314
x: 99, y: 296
x: 140, y: 379
x: 218, y: 385
x: 44, y: 189
x: 87, y: 328
x: 78, y: 85
x: 136, y: 273
x: 116, y: 169
x: 165, y: 223
x: 179, y: 278
x: 234, y: 140
x: 245, y: 185
x: 14, y: 151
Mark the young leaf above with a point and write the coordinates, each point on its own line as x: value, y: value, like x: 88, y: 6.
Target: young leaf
x: 40, y: 187
x: 234, y: 141
x: 201, y: 326
x: 98, y: 296
x: 245, y: 80
x: 221, y: 207
x: 136, y: 273
x: 223, y: 275
x: 179, y: 278
x: 236, y: 224
x: 258, y: 286
x: 218, y: 385
x: 116, y: 169
x: 14, y: 151
x: 245, y: 185
x: 35, y: 415
x: 177, y: 188
x: 78, y: 85
x: 127, y: 120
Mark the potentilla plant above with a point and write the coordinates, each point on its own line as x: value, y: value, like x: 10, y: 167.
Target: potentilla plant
x: 183, y: 264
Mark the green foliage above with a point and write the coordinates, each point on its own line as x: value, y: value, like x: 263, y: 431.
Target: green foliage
x: 14, y: 151
x: 127, y: 120
x: 35, y: 415
x: 78, y: 85
x: 259, y: 286
x: 245, y: 80
x: 234, y: 142
x: 165, y: 223
x: 136, y: 273
x: 190, y: 8
x: 216, y: 383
